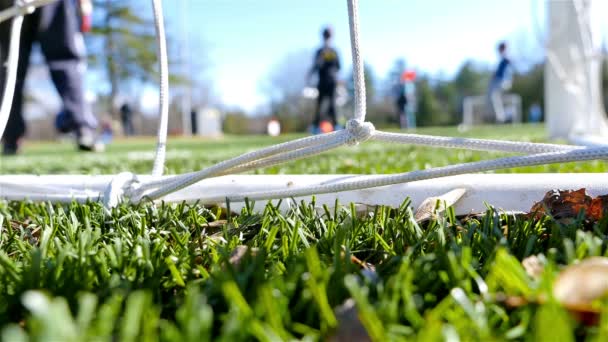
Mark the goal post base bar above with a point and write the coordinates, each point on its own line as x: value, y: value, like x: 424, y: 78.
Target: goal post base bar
x: 509, y: 192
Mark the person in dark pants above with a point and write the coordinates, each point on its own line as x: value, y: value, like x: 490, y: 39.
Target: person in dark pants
x: 57, y: 27
x: 126, y: 118
x: 400, y: 103
x: 501, y: 81
x: 326, y: 64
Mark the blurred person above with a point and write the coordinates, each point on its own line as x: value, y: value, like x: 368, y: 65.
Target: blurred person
x: 126, y: 118
x: 58, y: 28
x: 400, y: 103
x: 535, y: 113
x: 107, y: 133
x: 326, y: 65
x: 399, y: 94
x: 500, y: 81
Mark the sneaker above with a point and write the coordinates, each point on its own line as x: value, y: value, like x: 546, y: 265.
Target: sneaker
x: 95, y: 147
x: 87, y: 142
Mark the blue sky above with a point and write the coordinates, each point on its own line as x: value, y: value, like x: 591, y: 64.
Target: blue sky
x: 244, y: 39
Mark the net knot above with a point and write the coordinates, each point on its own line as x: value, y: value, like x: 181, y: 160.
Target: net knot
x: 359, y: 131
x: 121, y: 187
x: 25, y: 6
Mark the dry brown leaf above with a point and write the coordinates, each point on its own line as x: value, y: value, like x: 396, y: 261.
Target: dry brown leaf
x: 566, y: 205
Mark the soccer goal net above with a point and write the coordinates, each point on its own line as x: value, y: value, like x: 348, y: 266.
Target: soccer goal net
x: 219, y: 183
x: 477, y: 110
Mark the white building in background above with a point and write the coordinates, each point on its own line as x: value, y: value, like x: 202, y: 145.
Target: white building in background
x: 208, y: 122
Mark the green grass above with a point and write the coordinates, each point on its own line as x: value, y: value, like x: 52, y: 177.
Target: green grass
x: 74, y: 272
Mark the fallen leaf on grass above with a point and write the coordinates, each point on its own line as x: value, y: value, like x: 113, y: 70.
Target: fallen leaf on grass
x: 566, y: 205
x: 430, y: 207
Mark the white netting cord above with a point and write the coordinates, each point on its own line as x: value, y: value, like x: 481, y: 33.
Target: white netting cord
x: 181, y: 181
x: 163, y: 93
x: 22, y: 7
x: 365, y: 182
x: 293, y: 147
x: 120, y: 187
x: 256, y: 157
x: 359, y: 131
x: 11, y: 73
x: 471, y: 144
x: 358, y: 74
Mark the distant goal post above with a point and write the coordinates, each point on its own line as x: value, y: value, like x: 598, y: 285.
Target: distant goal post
x: 476, y: 110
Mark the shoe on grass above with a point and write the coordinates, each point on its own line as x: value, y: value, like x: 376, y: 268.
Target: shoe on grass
x: 87, y: 142
x: 95, y: 147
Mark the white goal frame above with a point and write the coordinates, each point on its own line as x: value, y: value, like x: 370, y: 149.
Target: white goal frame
x: 216, y: 184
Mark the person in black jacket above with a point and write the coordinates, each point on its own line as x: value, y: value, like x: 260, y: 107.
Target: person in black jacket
x: 326, y: 65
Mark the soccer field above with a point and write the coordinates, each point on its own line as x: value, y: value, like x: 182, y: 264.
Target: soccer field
x: 191, y: 154
x: 185, y: 272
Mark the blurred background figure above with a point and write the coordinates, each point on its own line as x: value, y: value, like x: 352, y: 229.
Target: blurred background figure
x: 126, y: 118
x: 400, y: 97
x: 107, y: 132
x: 326, y: 65
x: 501, y: 81
x: 535, y: 113
x: 58, y: 28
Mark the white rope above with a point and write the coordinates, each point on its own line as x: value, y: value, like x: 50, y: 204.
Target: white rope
x: 22, y: 7
x: 471, y: 144
x: 11, y: 73
x: 357, y: 131
x: 358, y: 75
x: 120, y: 184
x: 364, y: 182
x: 163, y: 93
x: 183, y: 181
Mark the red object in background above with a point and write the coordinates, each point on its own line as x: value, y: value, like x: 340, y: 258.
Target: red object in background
x: 85, y: 25
x: 326, y: 127
x: 408, y: 76
x: 85, y: 8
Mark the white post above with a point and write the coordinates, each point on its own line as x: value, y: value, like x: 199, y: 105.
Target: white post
x: 573, y: 101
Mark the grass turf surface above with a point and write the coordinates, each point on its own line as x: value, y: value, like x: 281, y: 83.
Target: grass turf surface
x: 165, y: 272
